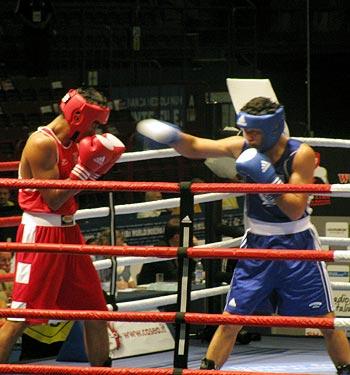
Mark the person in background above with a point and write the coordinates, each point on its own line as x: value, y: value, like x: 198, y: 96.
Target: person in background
x: 8, y: 208
x: 168, y: 268
x: 151, y: 196
x: 5, y: 286
x: 5, y: 198
x: 124, y: 278
x: 265, y: 155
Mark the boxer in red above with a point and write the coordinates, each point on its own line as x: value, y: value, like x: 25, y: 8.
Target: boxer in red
x: 67, y: 148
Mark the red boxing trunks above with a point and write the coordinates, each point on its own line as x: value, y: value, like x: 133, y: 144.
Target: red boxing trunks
x: 54, y: 281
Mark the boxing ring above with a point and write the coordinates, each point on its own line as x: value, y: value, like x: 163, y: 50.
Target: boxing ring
x: 189, y: 194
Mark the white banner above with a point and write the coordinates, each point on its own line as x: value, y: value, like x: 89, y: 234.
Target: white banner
x: 342, y: 303
x: 127, y: 339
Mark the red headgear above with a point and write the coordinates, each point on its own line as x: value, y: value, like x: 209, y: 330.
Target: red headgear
x: 80, y: 114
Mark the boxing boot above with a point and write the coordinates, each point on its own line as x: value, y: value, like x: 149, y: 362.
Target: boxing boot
x: 207, y: 364
x: 107, y: 362
x: 343, y: 369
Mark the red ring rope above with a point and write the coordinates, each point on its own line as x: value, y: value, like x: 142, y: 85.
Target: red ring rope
x: 72, y: 370
x: 168, y: 187
x: 170, y: 317
x: 6, y: 277
x: 10, y: 221
x: 7, y: 166
x: 169, y: 252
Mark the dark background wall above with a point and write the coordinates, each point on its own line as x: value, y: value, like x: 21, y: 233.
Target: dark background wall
x: 143, y: 42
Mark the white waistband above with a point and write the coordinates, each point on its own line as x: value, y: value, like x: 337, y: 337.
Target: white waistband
x: 47, y: 220
x: 267, y: 229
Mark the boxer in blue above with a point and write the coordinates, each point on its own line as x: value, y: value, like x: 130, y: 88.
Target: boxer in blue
x: 277, y: 221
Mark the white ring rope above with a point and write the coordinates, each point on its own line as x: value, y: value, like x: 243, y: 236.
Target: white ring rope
x: 170, y: 152
x: 340, y: 285
x: 335, y: 241
x: 325, y: 142
x: 339, y: 190
x: 341, y: 322
x: 227, y: 243
x: 123, y: 209
x: 151, y: 303
x: 103, y: 264
x: 342, y: 256
x: 150, y: 154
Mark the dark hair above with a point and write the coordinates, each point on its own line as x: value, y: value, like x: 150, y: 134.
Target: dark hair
x: 260, y: 106
x: 172, y: 227
x: 91, y: 95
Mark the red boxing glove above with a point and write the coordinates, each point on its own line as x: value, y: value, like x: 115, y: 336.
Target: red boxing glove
x: 97, y: 154
x: 116, y: 153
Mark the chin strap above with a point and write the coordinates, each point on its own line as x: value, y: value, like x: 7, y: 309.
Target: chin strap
x: 343, y: 369
x: 207, y: 364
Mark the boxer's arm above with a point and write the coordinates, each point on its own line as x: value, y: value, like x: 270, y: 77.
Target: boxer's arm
x: 294, y: 204
x: 189, y: 145
x: 41, y: 155
x: 201, y: 148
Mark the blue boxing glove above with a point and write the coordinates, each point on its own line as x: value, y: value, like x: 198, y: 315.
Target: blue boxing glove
x: 159, y: 131
x: 259, y: 168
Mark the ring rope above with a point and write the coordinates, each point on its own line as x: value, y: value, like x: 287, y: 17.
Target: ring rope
x: 149, y: 206
x: 338, y: 190
x: 325, y: 142
x: 340, y: 285
x: 171, y: 252
x: 75, y: 370
x: 189, y: 318
x: 10, y: 221
x: 151, y: 303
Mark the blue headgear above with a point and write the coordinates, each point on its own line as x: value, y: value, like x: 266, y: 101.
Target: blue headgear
x: 271, y: 126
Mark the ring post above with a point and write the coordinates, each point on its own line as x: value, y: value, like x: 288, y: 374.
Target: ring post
x: 185, y: 269
x: 113, y: 284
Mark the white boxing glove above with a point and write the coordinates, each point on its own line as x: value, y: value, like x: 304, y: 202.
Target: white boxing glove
x: 159, y: 131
